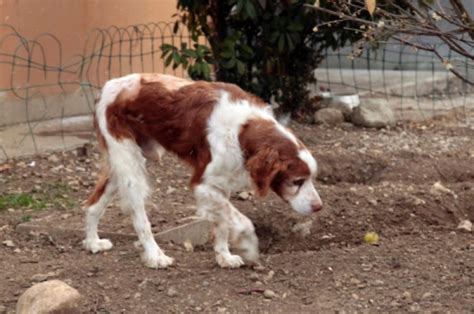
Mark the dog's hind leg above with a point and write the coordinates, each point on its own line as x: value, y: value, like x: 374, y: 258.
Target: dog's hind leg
x: 128, y: 165
x: 95, y: 208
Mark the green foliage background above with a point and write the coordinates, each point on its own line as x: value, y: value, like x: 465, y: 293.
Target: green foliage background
x: 267, y: 47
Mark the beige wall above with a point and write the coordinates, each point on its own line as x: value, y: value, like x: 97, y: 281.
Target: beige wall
x: 70, y: 21
x: 38, y: 94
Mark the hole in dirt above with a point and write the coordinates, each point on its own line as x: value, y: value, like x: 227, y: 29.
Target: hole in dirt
x: 335, y: 169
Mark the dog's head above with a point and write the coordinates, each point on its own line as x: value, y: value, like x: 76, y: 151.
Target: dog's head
x: 287, y: 168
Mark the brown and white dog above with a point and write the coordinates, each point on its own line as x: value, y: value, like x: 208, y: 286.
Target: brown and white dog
x: 229, y: 138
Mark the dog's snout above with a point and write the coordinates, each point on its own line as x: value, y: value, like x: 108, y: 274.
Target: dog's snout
x: 315, y: 207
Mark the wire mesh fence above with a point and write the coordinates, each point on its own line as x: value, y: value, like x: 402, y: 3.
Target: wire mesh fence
x: 46, y: 99
x: 414, y: 82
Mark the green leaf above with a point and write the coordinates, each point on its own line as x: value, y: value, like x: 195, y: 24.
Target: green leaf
x: 168, y: 60
x: 229, y: 64
x: 227, y: 54
x: 189, y: 53
x: 274, y: 37
x: 206, y: 71
x: 295, y: 27
x: 281, y: 43
x: 176, y: 57
x: 240, y: 67
x: 291, y: 46
x: 250, y: 10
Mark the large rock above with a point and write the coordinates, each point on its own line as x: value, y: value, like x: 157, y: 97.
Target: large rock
x: 52, y: 296
x: 328, y: 116
x: 373, y: 113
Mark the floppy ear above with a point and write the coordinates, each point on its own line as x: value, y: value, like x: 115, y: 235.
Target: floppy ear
x: 263, y: 166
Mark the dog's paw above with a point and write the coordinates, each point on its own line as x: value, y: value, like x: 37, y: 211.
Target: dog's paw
x: 229, y: 261
x: 249, y: 248
x: 96, y: 246
x: 157, y: 261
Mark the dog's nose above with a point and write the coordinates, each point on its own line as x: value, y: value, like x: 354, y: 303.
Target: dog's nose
x: 316, y: 207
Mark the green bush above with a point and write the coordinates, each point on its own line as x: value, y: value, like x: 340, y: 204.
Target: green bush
x: 267, y: 47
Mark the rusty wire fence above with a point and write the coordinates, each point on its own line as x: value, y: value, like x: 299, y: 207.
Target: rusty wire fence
x: 46, y: 99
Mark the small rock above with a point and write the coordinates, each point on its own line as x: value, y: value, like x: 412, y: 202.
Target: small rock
x: 9, y: 243
x: 53, y: 158
x: 355, y: 296
x: 367, y: 267
x: 243, y: 196
x: 254, y: 276
x: 172, y: 292
x: 395, y: 303
x: 465, y: 225
x: 378, y: 282
x: 269, y: 294
x: 259, y: 267
x: 205, y: 283
x: 269, y: 276
x: 329, y: 116
x: 355, y: 281
x: 170, y: 190
x: 438, y: 189
x: 407, y: 296
x: 373, y: 113
x: 427, y: 295
x: 188, y: 246
x: 143, y: 284
x: 52, y: 296
x: 42, y: 277
x: 414, y: 308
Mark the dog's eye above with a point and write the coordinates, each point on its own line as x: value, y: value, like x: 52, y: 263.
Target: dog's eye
x: 298, y: 182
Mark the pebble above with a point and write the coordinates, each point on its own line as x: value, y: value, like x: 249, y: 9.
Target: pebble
x: 355, y: 281
x: 254, y: 277
x: 407, y: 296
x: 243, y: 196
x: 9, y: 243
x: 269, y: 294
x: 53, y: 158
x: 465, y: 225
x: 427, y: 295
x: 259, y: 267
x: 42, y: 277
x: 172, y: 292
x: 269, y: 276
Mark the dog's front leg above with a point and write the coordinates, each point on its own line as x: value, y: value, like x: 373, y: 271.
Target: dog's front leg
x: 229, y: 223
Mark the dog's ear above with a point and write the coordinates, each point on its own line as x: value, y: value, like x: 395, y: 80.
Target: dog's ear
x: 263, y: 167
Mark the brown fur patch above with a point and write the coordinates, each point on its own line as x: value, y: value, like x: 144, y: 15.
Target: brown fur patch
x: 270, y: 156
x: 176, y: 119
x: 99, y: 190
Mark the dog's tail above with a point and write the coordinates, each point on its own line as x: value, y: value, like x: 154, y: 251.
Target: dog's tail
x: 122, y: 157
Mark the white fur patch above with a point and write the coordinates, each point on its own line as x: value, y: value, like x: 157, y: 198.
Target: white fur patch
x: 306, y: 156
x: 226, y: 170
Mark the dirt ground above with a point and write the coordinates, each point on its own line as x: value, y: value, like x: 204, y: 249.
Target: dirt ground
x: 370, y: 180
